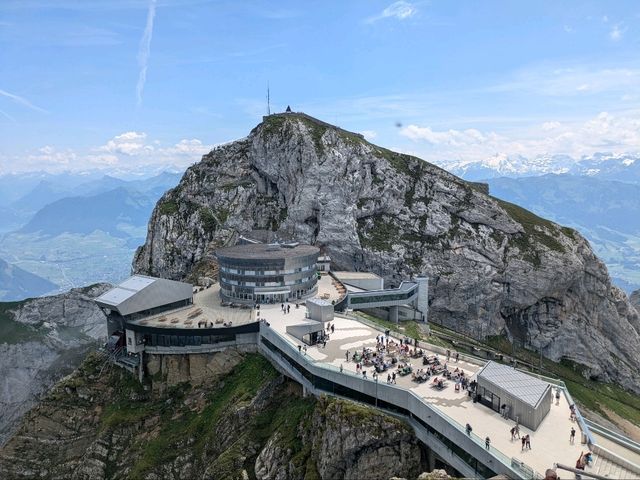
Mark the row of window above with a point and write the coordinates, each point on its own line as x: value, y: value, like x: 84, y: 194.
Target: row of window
x: 298, y: 293
x: 158, y: 340
x: 265, y: 271
x: 268, y: 284
x: 390, y: 297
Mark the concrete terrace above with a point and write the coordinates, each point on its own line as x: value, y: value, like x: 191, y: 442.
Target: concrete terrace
x: 206, y: 308
x: 549, y: 443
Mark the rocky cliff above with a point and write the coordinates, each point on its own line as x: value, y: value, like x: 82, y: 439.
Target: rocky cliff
x: 241, y: 421
x: 634, y: 298
x: 42, y: 340
x: 494, y: 267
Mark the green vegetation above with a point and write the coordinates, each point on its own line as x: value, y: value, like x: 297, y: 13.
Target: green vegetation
x: 211, y: 220
x: 535, y: 227
x: 14, y: 332
x: 239, y: 387
x: 380, y: 236
x: 168, y: 207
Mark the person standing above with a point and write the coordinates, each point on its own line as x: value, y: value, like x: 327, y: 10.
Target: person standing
x: 487, y: 443
x: 468, y: 429
x: 524, y: 442
x: 347, y: 355
x: 528, y: 441
x: 572, y: 436
x: 393, y: 377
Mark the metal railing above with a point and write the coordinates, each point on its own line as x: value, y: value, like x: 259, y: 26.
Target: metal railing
x: 387, y: 392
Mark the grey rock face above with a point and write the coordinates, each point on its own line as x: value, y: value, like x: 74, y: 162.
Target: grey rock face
x: 494, y: 268
x: 634, y: 298
x: 60, y: 330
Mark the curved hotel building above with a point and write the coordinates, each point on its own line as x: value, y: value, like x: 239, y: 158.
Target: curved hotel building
x: 267, y: 273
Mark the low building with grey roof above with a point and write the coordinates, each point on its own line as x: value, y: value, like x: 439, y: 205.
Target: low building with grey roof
x: 527, y: 399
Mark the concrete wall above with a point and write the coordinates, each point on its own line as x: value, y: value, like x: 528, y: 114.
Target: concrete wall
x: 134, y: 342
x: 318, y: 311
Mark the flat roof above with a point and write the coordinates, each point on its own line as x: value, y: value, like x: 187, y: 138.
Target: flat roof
x: 344, y: 275
x: 267, y: 251
x: 320, y: 302
x: 522, y: 386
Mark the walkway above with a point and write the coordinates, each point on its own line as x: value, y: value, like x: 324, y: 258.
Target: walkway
x: 550, y: 442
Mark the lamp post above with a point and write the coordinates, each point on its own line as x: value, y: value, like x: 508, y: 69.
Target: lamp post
x: 376, y: 391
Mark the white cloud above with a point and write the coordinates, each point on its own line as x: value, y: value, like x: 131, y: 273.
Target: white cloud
x: 616, y: 32
x: 400, y: 10
x: 604, y: 132
x: 568, y: 29
x: 130, y: 151
x: 369, y: 134
x: 453, y: 138
x: 144, y: 51
x: 190, y: 147
x: 127, y: 143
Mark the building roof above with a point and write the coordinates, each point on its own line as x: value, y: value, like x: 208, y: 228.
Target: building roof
x: 320, y: 302
x: 139, y: 293
x: 267, y: 251
x: 343, y: 275
x: 526, y: 388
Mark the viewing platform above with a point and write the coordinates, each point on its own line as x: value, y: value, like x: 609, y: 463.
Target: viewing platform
x: 550, y: 442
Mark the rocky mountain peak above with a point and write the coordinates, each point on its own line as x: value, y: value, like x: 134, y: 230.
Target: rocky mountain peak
x: 494, y: 267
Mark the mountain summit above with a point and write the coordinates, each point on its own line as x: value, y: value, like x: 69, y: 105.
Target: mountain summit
x: 494, y: 268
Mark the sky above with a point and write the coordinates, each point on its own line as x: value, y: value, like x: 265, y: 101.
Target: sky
x: 135, y: 84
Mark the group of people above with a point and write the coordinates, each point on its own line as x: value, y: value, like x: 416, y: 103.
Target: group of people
x: 524, y: 439
x: 456, y: 355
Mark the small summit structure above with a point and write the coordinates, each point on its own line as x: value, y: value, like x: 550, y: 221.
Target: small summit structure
x: 288, y: 110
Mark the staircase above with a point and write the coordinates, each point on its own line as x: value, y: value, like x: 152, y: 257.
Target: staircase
x: 607, y: 468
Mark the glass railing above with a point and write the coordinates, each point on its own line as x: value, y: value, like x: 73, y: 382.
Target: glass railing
x: 290, y: 349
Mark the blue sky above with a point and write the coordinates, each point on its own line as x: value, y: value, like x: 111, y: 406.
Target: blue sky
x: 464, y: 79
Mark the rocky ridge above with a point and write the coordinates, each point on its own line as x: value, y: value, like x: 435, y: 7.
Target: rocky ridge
x: 42, y: 340
x: 242, y: 421
x: 494, y: 268
x: 634, y: 298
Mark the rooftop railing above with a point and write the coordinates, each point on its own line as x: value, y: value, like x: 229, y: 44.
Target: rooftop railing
x: 385, y: 392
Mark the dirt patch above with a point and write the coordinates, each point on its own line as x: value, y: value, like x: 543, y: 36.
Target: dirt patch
x: 630, y: 429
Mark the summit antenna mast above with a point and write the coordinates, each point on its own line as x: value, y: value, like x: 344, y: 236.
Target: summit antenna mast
x: 268, y: 101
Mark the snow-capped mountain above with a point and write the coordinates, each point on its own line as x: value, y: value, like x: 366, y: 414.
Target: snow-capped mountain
x: 622, y: 167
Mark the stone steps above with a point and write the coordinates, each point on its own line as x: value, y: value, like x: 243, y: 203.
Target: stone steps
x: 607, y: 468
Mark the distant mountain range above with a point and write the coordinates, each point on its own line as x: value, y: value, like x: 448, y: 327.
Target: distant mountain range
x: 606, y: 166
x: 110, y: 212
x: 606, y: 212
x: 17, y: 284
x: 74, y: 229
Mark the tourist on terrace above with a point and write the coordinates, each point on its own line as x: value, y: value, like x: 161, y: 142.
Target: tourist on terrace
x: 393, y: 377
x: 468, y: 429
x: 388, y: 378
x: 347, y: 355
x: 487, y: 443
x: 572, y: 436
x: 524, y: 442
x: 527, y: 441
